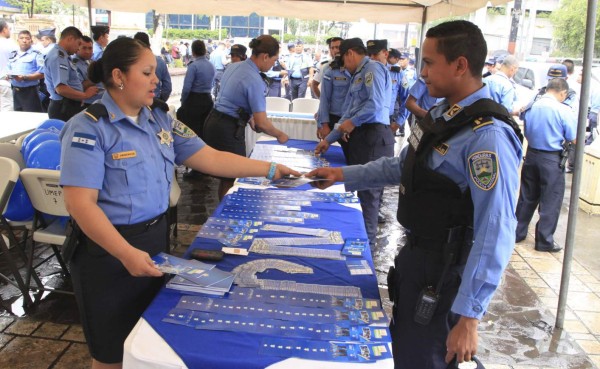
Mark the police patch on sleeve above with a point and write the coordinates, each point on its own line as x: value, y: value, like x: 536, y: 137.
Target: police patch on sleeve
x: 369, y: 79
x: 483, y: 167
x: 83, y: 141
x: 181, y: 130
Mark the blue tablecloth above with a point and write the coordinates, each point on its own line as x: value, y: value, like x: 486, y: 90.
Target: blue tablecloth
x: 220, y: 349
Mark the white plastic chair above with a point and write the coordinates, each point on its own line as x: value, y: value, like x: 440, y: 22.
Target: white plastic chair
x: 13, y: 151
x: 304, y: 105
x: 46, y: 196
x: 278, y: 104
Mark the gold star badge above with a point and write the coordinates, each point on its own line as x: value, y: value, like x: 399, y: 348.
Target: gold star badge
x: 165, y: 137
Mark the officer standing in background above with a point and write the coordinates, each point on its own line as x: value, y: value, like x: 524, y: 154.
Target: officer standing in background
x: 334, y: 50
x: 549, y: 125
x: 218, y: 58
x: 419, y: 101
x: 396, y: 75
x: 164, y: 85
x: 286, y: 80
x: 7, y: 46
x: 276, y: 74
x: 81, y: 60
x: 365, y: 122
x: 62, y: 80
x: 299, y: 71
x: 409, y: 77
x: 48, y: 39
x: 100, y: 35
x: 458, y: 184
x: 501, y: 84
x: 490, y: 65
x: 25, y: 69
x: 238, y: 53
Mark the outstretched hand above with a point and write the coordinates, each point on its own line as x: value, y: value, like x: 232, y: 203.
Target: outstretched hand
x: 139, y: 264
x: 330, y: 176
x: 283, y: 171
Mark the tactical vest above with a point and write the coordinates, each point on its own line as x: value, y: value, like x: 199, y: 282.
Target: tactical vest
x: 429, y: 203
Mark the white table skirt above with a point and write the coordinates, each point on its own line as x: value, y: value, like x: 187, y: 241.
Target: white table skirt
x: 15, y: 123
x: 296, y: 128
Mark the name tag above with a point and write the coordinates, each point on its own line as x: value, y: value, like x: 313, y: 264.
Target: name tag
x: 124, y: 155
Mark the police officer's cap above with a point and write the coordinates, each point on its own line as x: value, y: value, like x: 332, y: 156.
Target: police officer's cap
x: 299, y: 42
x: 333, y: 39
x: 47, y: 32
x: 351, y: 43
x: 404, y: 55
x: 100, y: 30
x: 394, y: 53
x: 238, y: 49
x: 557, y: 71
x: 491, y: 61
x: 375, y: 46
x: 291, y: 45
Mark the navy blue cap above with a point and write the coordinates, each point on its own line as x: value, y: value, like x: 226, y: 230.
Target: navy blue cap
x: 351, y: 43
x: 291, y: 44
x: 394, y: 53
x: 238, y: 49
x: 375, y: 46
x: 299, y: 42
x: 404, y: 55
x: 47, y: 32
x: 557, y: 71
x: 491, y: 61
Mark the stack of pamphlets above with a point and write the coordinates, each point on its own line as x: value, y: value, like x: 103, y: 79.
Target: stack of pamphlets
x: 193, y: 275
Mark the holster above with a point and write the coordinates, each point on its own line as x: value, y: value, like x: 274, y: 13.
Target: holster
x: 564, y: 155
x: 241, y: 123
x: 391, y: 283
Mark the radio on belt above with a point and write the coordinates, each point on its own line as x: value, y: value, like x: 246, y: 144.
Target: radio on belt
x: 207, y: 255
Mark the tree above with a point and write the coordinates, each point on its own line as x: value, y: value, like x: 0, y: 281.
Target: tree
x: 569, y: 27
x: 39, y: 6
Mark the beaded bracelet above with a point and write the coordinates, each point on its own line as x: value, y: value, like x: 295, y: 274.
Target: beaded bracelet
x: 272, y: 170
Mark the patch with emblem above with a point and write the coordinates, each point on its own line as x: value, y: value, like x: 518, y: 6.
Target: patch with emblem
x: 452, y: 111
x: 442, y: 148
x: 124, y: 155
x: 83, y: 141
x: 165, y: 137
x: 181, y: 130
x: 369, y: 79
x: 483, y: 167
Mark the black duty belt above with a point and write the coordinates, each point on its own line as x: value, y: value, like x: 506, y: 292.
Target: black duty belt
x: 223, y: 116
x: 557, y: 152
x: 134, y: 229
x: 366, y: 126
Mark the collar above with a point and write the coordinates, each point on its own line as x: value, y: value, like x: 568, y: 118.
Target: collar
x: 440, y: 109
x: 115, y: 114
x: 362, y: 63
x: 252, y: 65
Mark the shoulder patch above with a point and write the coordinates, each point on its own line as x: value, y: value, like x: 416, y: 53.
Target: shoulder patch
x: 181, y: 130
x: 84, y: 141
x: 369, y: 79
x: 452, y: 111
x: 482, y: 122
x: 96, y: 111
x: 483, y: 168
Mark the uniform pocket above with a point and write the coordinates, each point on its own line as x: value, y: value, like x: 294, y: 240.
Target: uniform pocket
x: 124, y: 176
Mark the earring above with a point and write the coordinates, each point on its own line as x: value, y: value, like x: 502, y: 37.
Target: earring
x: 121, y: 86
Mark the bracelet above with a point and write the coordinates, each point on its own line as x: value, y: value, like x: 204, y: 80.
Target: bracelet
x: 272, y: 170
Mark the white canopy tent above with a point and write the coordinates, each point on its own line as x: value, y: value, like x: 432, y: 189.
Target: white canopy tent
x: 375, y: 11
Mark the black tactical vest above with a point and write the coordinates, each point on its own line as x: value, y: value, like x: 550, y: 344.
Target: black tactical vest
x: 430, y: 203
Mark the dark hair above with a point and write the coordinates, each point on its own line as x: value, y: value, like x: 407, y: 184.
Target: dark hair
x: 333, y: 39
x: 99, y: 31
x: 359, y: 50
x: 570, y: 65
x: 143, y: 37
x: 3, y: 25
x: 121, y: 54
x: 557, y: 84
x: 198, y: 48
x: 264, y: 44
x: 70, y: 31
x: 461, y: 38
x: 25, y: 32
x: 86, y: 39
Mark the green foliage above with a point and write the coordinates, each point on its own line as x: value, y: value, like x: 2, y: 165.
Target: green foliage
x: 496, y: 10
x: 39, y: 6
x: 569, y: 27
x: 195, y: 34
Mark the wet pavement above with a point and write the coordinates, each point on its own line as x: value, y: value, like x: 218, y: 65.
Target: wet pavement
x: 517, y: 331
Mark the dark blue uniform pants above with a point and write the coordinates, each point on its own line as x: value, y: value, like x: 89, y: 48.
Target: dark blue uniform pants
x: 417, y: 346
x: 543, y: 184
x: 298, y: 87
x: 367, y: 143
x: 275, y: 88
x: 27, y: 99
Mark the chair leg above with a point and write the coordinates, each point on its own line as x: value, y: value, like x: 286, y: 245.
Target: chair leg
x: 15, y: 271
x: 60, y: 260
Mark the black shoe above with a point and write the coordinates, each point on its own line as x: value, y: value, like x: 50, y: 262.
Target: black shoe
x: 381, y: 219
x: 555, y: 248
x: 520, y: 239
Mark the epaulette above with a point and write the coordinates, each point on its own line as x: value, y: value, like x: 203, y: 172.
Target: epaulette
x: 96, y: 111
x: 395, y: 68
x: 324, y: 62
x: 35, y: 51
x: 61, y: 54
x: 158, y: 103
x: 12, y: 54
x: 75, y: 60
x: 482, y: 122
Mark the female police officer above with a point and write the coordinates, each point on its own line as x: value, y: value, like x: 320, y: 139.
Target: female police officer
x: 242, y: 96
x: 118, y: 161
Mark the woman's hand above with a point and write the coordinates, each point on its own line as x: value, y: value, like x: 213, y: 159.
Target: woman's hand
x: 283, y: 171
x: 139, y: 264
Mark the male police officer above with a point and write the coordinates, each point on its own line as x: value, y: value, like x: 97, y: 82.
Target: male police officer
x: 501, y: 84
x: 48, y: 39
x: 164, y: 87
x: 62, y: 80
x: 409, y: 77
x: 419, y: 101
x: 334, y: 50
x: 299, y: 71
x: 549, y: 124
x: 276, y: 74
x: 100, y: 35
x: 238, y: 53
x: 25, y: 67
x: 365, y: 122
x: 458, y: 182
x: 81, y: 60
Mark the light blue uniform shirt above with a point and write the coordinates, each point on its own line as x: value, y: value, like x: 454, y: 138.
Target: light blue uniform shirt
x: 368, y: 97
x: 595, y: 100
x: 97, y: 51
x: 129, y: 164
x: 420, y: 92
x: 502, y: 89
x: 396, y: 80
x: 24, y: 63
x: 198, y: 78
x: 164, y: 85
x: 82, y: 70
x: 548, y: 123
x: 216, y: 58
x: 334, y: 88
x: 59, y: 69
x: 296, y: 62
x: 494, y: 209
x: 409, y: 78
x: 242, y: 87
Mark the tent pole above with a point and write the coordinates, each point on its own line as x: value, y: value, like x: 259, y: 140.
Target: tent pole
x: 89, y: 2
x: 588, y: 55
x: 421, y: 39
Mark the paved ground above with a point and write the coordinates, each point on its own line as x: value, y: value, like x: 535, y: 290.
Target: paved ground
x: 516, y: 333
